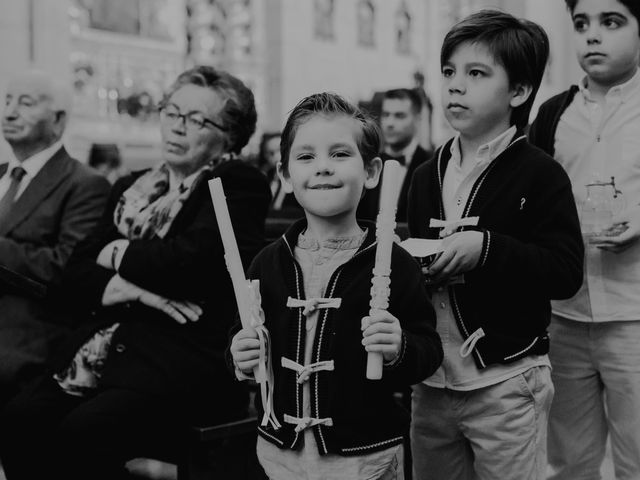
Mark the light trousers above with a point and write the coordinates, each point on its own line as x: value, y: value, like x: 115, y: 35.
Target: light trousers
x: 596, y: 373
x: 496, y: 432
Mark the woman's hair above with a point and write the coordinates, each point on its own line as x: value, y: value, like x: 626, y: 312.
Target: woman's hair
x: 632, y: 5
x: 521, y: 47
x: 239, y: 113
x: 330, y: 105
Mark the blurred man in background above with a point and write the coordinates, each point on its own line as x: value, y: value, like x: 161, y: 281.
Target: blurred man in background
x: 400, y: 121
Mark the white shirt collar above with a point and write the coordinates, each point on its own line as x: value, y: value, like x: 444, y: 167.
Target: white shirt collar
x: 488, y: 151
x: 622, y: 91
x: 407, y: 151
x: 34, y: 163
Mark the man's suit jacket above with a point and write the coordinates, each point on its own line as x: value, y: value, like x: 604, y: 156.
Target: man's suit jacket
x: 57, y: 209
x: 370, y: 203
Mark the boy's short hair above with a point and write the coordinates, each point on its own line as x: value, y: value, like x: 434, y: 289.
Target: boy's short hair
x: 405, y: 94
x: 520, y: 46
x: 632, y: 5
x: 328, y: 105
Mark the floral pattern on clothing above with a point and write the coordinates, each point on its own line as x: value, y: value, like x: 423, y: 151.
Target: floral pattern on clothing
x: 148, y: 207
x: 86, y: 367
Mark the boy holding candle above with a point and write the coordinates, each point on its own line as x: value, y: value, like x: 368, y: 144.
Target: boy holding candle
x: 483, y: 414
x: 592, y: 129
x: 315, y: 283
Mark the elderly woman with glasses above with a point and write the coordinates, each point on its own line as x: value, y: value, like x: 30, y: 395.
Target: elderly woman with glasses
x: 151, y: 299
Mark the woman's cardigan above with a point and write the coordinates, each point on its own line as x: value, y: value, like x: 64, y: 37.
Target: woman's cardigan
x: 150, y: 352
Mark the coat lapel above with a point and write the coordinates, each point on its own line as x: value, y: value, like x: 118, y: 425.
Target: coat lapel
x: 57, y: 169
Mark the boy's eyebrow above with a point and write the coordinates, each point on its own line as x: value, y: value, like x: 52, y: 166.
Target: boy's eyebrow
x: 310, y: 148
x: 600, y: 15
x: 304, y: 148
x: 341, y: 145
x: 468, y: 65
x: 613, y: 14
x: 478, y: 64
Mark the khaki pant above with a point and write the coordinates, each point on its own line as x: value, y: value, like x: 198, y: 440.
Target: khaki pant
x: 596, y: 372
x: 492, y: 433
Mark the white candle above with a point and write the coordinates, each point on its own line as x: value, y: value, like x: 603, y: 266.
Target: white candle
x: 385, y: 231
x: 231, y: 252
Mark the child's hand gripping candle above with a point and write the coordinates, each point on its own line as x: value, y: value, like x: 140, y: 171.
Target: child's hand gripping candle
x: 385, y: 232
x: 247, y: 295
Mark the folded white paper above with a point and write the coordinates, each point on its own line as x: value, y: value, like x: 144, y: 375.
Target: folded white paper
x: 422, y: 247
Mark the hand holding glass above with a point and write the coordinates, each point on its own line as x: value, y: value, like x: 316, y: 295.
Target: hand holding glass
x: 603, y: 202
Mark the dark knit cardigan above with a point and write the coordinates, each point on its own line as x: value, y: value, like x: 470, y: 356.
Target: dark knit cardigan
x: 365, y: 416
x: 532, y: 248
x: 542, y: 133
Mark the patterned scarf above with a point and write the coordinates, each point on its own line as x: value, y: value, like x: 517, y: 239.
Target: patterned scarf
x: 148, y: 207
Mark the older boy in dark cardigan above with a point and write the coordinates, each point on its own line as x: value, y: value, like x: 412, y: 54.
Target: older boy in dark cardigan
x: 483, y: 414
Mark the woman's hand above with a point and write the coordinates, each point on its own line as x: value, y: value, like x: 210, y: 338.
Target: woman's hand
x: 111, y: 255
x: 245, y: 350
x: 118, y: 290
x: 382, y: 333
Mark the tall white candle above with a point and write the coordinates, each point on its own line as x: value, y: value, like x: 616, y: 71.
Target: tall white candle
x: 231, y: 252
x: 385, y: 231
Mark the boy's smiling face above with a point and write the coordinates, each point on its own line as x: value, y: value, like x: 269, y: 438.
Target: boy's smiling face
x: 326, y: 171
x: 607, y: 40
x: 476, y: 94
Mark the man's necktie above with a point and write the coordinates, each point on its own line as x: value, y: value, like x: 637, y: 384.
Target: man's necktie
x: 7, y: 200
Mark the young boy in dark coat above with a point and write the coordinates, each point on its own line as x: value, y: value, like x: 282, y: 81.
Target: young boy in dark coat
x: 315, y: 284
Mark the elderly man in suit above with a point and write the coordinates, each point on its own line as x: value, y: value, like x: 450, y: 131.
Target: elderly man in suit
x: 48, y: 202
x: 400, y: 119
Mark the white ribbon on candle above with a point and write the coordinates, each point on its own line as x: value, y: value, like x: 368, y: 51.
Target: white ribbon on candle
x: 265, y: 367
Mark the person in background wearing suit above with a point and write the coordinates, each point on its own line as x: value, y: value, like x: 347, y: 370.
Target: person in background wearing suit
x: 283, y: 204
x: 48, y: 202
x: 400, y: 120
x: 152, y: 300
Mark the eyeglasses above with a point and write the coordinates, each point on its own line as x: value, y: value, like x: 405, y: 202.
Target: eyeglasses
x: 192, y: 121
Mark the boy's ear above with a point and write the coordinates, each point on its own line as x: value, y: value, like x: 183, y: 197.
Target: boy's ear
x: 520, y: 94
x: 373, y: 168
x: 284, y: 178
